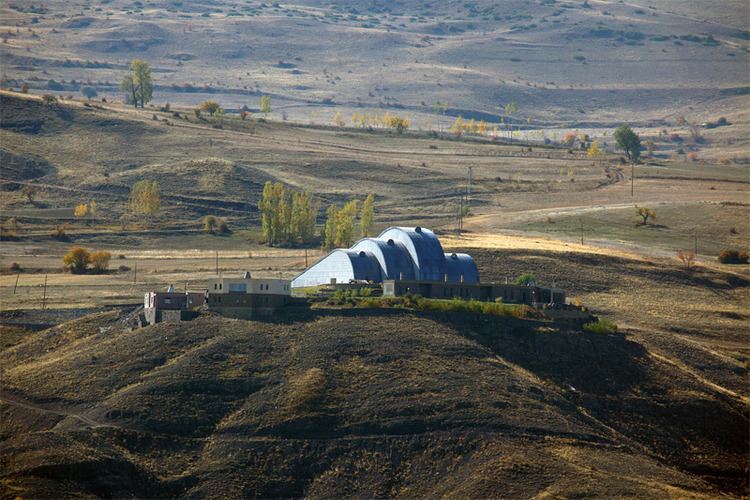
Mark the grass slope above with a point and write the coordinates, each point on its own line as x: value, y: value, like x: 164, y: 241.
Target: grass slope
x: 378, y: 403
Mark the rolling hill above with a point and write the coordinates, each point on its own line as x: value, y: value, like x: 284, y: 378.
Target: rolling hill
x: 563, y: 62
x: 377, y: 403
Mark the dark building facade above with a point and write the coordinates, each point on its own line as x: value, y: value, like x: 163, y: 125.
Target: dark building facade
x: 510, y: 294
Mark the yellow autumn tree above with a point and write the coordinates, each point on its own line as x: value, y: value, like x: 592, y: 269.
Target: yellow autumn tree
x: 81, y: 210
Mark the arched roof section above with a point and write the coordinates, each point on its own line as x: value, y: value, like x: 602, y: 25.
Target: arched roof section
x: 461, y: 265
x: 424, y: 248
x: 343, y: 266
x: 393, y: 257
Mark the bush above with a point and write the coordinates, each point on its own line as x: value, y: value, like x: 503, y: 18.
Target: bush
x: 59, y: 233
x: 123, y: 269
x: 210, y: 224
x: 77, y: 259
x: 731, y: 256
x: 526, y: 279
x: 49, y: 99
x: 601, y: 325
x: 100, y: 260
x: 15, y: 267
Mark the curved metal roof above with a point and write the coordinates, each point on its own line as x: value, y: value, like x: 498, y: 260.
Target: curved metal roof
x: 424, y: 248
x: 397, y: 253
x: 460, y: 267
x: 394, y: 258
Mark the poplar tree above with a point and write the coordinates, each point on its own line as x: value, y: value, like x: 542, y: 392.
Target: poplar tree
x: 366, y: 218
x: 329, y: 235
x: 265, y: 208
x: 345, y: 224
x: 145, y: 199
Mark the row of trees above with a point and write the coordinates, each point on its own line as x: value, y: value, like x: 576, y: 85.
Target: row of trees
x: 386, y: 120
x: 145, y: 199
x: 340, y: 228
x: 78, y: 259
x: 287, y: 216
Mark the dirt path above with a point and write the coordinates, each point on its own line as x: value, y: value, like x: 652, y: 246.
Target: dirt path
x: 83, y: 419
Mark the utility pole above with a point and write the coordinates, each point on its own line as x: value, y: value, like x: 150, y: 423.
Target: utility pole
x: 461, y: 215
x: 135, y: 273
x: 581, y: 221
x: 305, y: 258
x: 632, y: 179
x: 468, y: 186
x: 217, y: 262
x: 695, y: 242
x: 16, y: 285
x: 44, y: 296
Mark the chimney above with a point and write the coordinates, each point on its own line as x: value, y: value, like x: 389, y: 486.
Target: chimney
x: 445, y: 277
x: 462, y: 278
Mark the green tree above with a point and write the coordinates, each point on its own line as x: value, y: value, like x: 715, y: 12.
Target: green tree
x: 265, y: 105
x: 138, y: 85
x: 510, y: 110
x: 628, y: 141
x: 304, y: 215
x: 329, y: 235
x: 145, y: 199
x: 345, y: 224
x: 367, y: 217
x: 526, y: 279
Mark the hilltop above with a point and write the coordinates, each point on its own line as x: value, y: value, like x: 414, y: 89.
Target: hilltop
x: 372, y: 403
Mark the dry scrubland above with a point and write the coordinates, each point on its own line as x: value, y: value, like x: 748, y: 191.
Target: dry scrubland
x: 566, y: 63
x: 361, y: 404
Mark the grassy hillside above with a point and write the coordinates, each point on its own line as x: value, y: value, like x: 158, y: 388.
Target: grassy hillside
x: 365, y: 404
x: 562, y: 61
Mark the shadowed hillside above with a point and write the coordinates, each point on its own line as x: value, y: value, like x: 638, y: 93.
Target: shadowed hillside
x: 366, y: 404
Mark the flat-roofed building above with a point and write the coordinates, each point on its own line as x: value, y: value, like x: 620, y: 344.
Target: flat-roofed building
x: 247, y: 297
x: 171, y: 305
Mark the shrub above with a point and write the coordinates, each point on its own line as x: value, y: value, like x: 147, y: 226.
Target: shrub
x: 59, y: 233
x: 77, y: 259
x: 686, y: 257
x: 49, y: 99
x: 693, y: 156
x: 15, y: 267
x: 223, y: 227
x: 645, y: 214
x: 731, y: 256
x: 526, y: 279
x: 210, y: 224
x: 25, y: 88
x: 601, y: 325
x: 210, y: 107
x: 123, y: 269
x: 100, y: 260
